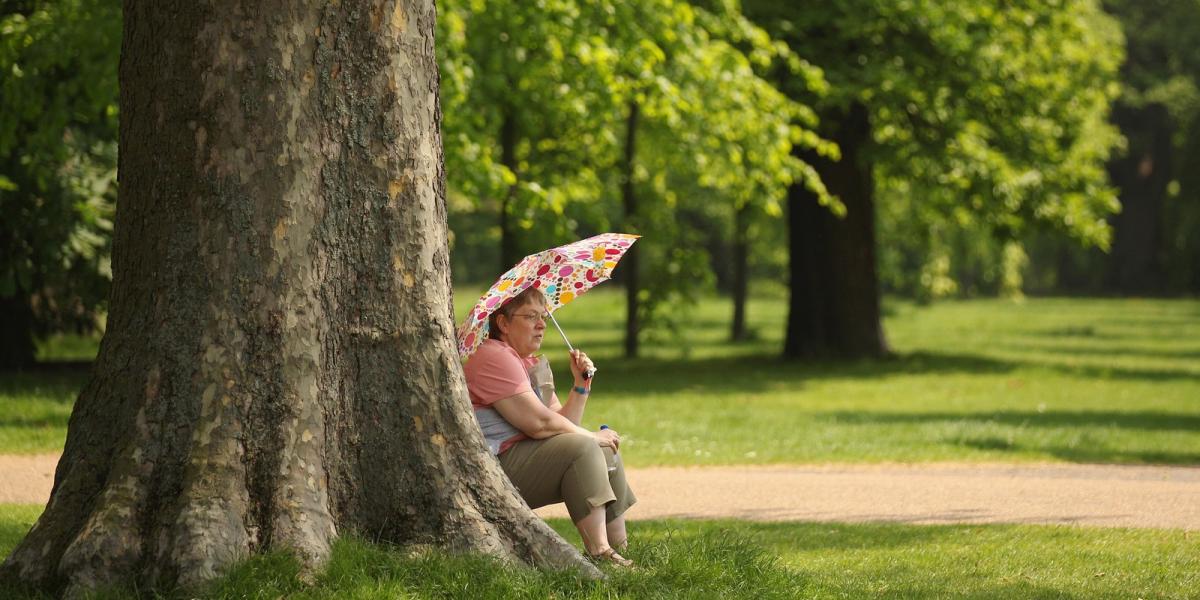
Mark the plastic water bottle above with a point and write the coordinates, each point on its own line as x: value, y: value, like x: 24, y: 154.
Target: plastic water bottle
x: 614, y: 467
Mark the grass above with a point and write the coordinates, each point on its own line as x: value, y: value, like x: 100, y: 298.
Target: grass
x: 34, y: 409
x: 732, y: 559
x: 1046, y: 380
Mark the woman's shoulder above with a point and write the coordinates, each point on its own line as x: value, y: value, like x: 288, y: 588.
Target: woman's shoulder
x: 493, y: 350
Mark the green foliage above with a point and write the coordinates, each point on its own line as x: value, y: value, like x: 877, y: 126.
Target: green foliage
x: 58, y: 94
x: 927, y: 255
x: 524, y: 66
x: 561, y: 79
x: 1163, y: 67
x: 989, y: 116
x: 1163, y: 60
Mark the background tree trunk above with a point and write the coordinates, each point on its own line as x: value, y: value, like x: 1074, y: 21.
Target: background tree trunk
x: 17, y: 348
x: 633, y: 324
x: 1142, y: 175
x: 510, y: 253
x: 834, y: 304
x: 279, y: 363
x: 741, y: 266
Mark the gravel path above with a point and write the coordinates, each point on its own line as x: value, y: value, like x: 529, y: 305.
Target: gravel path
x: 1094, y: 495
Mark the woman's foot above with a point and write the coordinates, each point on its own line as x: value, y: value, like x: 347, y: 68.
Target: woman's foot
x: 610, y: 557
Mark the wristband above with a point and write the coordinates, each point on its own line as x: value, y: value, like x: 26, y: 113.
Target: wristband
x: 582, y: 391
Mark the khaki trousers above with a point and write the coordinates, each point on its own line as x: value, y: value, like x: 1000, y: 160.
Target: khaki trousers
x: 570, y: 468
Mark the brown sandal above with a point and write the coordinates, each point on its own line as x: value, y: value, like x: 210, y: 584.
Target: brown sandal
x: 611, y: 557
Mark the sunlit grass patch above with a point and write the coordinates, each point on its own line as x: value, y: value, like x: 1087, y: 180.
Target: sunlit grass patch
x: 737, y: 559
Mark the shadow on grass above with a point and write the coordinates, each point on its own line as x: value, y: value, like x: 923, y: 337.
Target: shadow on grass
x: 1110, y: 352
x: 1086, y: 454
x: 1093, y: 421
x: 757, y: 373
x: 1142, y: 420
x: 58, y: 382
x: 39, y: 400
x: 14, y: 527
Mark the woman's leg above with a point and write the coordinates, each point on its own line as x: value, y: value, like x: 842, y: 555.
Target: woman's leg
x: 591, y: 529
x: 572, y: 468
x: 617, y: 537
x: 615, y: 511
x: 568, y: 467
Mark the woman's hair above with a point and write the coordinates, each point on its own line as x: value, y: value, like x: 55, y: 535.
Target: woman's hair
x: 531, y: 295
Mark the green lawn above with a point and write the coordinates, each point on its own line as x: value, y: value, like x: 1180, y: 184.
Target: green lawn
x: 1045, y: 380
x: 732, y: 559
x: 34, y: 408
x: 1075, y: 380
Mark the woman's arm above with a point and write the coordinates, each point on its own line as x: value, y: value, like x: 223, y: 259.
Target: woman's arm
x: 533, y: 418
x: 573, y: 411
x: 577, y: 401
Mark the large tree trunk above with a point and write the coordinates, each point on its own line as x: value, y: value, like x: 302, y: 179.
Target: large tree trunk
x: 279, y: 364
x: 1142, y: 175
x: 834, y: 304
x: 633, y: 323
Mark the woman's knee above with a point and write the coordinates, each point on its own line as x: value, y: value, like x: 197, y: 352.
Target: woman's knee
x: 578, y: 444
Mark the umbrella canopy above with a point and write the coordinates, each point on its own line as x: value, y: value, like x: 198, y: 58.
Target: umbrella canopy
x: 561, y: 273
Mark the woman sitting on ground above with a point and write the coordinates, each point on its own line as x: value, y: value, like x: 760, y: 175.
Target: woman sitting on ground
x: 539, y: 442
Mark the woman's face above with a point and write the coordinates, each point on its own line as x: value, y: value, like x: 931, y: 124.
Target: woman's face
x: 523, y: 329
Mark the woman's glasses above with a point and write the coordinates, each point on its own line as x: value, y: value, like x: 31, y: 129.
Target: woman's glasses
x: 534, y: 317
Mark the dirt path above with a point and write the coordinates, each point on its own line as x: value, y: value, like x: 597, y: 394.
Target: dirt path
x: 1095, y: 495
x: 26, y: 479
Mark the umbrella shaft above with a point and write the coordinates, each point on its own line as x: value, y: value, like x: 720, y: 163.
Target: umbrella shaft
x: 560, y: 332
x: 587, y: 374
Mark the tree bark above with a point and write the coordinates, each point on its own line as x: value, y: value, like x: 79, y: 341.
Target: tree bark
x: 279, y: 364
x: 833, y: 308
x: 633, y: 324
x: 741, y: 260
x: 1142, y: 175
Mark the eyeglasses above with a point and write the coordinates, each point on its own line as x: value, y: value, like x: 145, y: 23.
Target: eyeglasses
x: 534, y: 317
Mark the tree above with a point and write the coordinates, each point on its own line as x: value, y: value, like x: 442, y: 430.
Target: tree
x: 996, y: 108
x: 1157, y: 113
x: 741, y: 130
x: 279, y: 365
x: 628, y: 109
x: 58, y: 156
x: 526, y: 114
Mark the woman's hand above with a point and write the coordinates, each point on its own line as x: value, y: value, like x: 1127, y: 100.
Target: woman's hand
x: 608, y: 438
x: 580, y: 363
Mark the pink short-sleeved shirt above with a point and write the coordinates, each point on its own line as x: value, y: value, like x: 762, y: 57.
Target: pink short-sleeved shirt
x: 495, y: 372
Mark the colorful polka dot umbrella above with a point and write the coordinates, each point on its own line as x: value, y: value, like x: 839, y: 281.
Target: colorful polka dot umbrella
x: 561, y: 273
